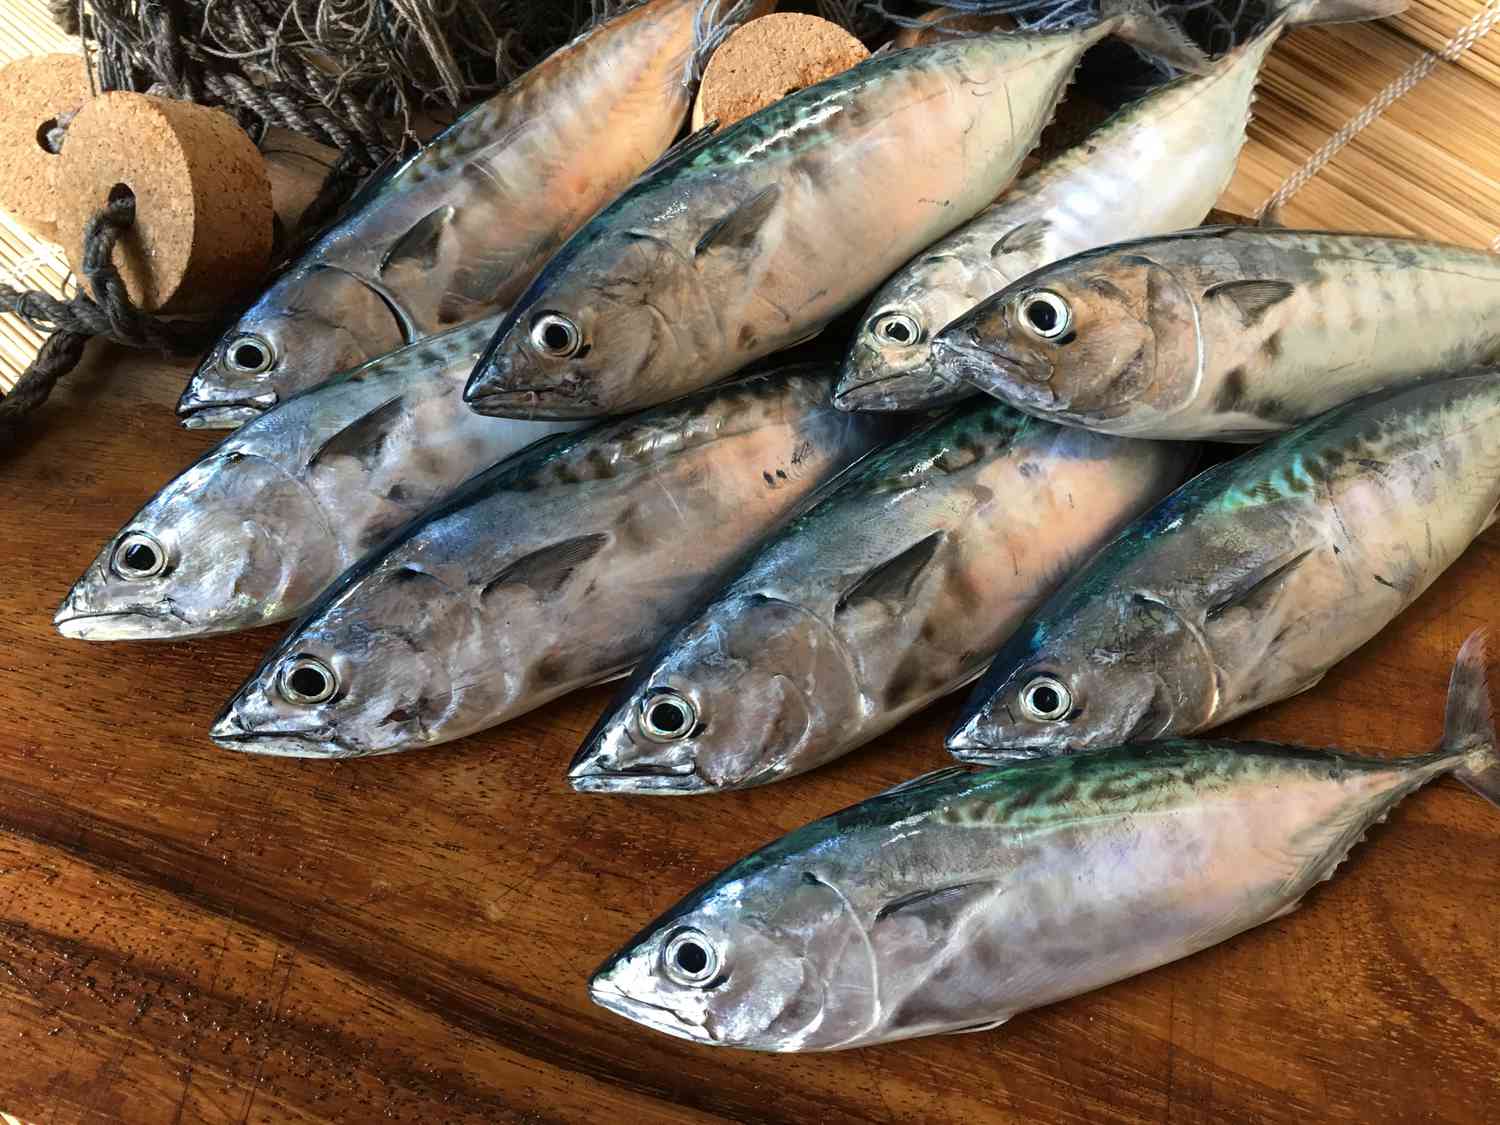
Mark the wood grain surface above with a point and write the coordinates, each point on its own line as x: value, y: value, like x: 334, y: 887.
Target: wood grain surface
x: 187, y: 934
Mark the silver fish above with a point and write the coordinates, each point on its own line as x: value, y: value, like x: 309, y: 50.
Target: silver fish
x: 555, y: 570
x: 1156, y: 166
x: 1227, y: 332
x: 1247, y: 584
x: 255, y: 530
x: 758, y: 236
x: 888, y: 594
x: 953, y: 902
x: 456, y: 231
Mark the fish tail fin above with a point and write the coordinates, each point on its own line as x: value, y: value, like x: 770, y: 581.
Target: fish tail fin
x: 1469, y: 725
x: 1302, y: 12
x: 1146, y: 29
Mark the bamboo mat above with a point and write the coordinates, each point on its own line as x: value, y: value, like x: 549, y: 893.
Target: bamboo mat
x: 1430, y: 166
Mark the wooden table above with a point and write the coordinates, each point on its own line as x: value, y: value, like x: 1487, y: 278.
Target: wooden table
x: 188, y: 934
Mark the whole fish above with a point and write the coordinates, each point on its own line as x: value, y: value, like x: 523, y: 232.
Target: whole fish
x: 953, y: 902
x: 1248, y: 583
x: 256, y: 529
x: 888, y: 594
x: 459, y: 228
x: 758, y: 236
x: 1156, y: 166
x: 1227, y: 332
x: 554, y: 570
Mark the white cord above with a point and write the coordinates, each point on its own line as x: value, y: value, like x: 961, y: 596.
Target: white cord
x: 1471, y: 33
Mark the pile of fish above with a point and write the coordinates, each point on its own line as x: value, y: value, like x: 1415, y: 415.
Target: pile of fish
x: 487, y: 454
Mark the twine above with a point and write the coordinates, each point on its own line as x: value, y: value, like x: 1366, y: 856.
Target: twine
x: 1477, y: 28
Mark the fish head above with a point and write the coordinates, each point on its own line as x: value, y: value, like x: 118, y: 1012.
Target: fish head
x: 769, y: 956
x: 368, y: 671
x: 1086, y: 341
x: 232, y: 543
x: 308, y: 327
x: 1115, y: 666
x: 589, y: 336
x: 890, y: 362
x: 748, y: 693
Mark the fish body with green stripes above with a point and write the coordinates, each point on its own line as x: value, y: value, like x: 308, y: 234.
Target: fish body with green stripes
x: 953, y: 902
x: 1227, y: 333
x: 1248, y: 583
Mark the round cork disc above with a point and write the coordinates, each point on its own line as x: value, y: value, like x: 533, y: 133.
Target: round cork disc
x: 203, y: 218
x: 35, y: 92
x: 769, y: 58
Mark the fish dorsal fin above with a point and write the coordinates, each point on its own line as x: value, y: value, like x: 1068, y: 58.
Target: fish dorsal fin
x: 931, y: 897
x: 1027, y: 236
x: 890, y: 582
x: 739, y: 227
x: 1256, y: 587
x: 364, y: 437
x: 930, y: 778
x: 684, y: 149
x: 420, y: 244
x: 1251, y: 297
x: 547, y: 570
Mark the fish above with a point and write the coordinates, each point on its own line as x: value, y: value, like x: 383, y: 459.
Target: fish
x: 456, y: 231
x: 955, y: 901
x: 1228, y: 333
x: 1158, y: 165
x: 757, y: 236
x: 892, y: 591
x: 253, y: 531
x: 1248, y: 583
x: 554, y: 570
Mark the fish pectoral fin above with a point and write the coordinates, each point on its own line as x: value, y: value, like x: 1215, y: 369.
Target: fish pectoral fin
x: 419, y: 245
x: 1256, y: 589
x: 364, y: 437
x: 891, y: 582
x: 739, y: 228
x: 934, y: 898
x: 932, y: 777
x: 1251, y: 297
x: 1027, y: 236
x: 546, y: 571
x: 684, y: 149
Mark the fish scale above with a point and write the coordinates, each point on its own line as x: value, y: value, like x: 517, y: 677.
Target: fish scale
x: 1250, y: 581
x: 954, y: 901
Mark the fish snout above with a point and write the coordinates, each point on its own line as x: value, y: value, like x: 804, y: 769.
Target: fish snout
x: 203, y: 406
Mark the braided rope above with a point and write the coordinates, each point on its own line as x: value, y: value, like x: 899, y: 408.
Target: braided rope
x: 1481, y: 25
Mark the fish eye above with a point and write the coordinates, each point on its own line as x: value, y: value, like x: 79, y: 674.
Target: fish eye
x: 305, y: 680
x: 555, y: 335
x: 667, y: 716
x: 689, y: 958
x: 896, y: 328
x: 138, y: 555
x: 249, y: 355
x: 1046, y: 314
x: 1046, y: 699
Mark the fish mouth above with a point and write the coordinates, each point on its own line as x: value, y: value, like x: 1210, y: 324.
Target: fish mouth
x: 319, y: 742
x: 916, y: 388
x: 961, y: 359
x: 137, y: 624
x: 200, y: 409
x: 588, y: 775
x: 655, y: 1016
x: 527, y: 403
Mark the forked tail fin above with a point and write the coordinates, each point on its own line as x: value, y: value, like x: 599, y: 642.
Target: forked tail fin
x: 1468, y: 725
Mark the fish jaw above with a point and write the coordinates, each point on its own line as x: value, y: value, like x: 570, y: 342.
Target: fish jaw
x: 593, y: 771
x: 230, y: 732
x: 205, y: 407
x: 604, y: 992
x: 884, y: 383
x: 961, y: 357
x: 119, y: 625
